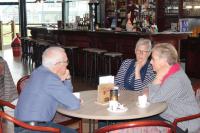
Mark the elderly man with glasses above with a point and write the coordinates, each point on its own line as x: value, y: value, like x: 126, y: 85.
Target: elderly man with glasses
x: 49, y: 86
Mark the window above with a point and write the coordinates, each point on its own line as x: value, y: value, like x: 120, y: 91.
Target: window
x: 43, y: 13
x: 51, y: 11
x: 76, y: 8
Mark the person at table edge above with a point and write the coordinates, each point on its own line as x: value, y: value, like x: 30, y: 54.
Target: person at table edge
x: 172, y: 85
x: 135, y: 74
x: 49, y: 86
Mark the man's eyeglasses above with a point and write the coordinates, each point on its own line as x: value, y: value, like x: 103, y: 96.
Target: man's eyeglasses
x: 64, y: 62
x: 142, y: 52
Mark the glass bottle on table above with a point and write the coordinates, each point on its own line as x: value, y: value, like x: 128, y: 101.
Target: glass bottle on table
x: 114, y: 94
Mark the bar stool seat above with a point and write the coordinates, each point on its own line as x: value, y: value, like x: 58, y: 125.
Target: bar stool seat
x: 109, y: 58
x: 113, y: 54
x: 86, y: 51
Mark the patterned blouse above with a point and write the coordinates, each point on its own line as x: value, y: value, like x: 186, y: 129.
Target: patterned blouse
x: 138, y: 83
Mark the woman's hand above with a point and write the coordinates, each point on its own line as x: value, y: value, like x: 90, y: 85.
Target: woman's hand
x: 146, y: 91
x: 138, y: 67
x: 159, y: 77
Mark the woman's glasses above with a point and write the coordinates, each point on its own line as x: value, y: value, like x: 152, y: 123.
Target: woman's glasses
x: 142, y: 51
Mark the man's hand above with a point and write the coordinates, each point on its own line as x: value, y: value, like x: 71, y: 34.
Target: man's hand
x: 66, y: 75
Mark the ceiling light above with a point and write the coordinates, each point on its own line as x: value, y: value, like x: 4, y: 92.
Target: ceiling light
x: 196, y: 7
x: 188, y: 7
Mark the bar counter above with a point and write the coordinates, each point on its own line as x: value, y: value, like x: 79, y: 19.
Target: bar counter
x: 106, y: 39
x: 124, y: 42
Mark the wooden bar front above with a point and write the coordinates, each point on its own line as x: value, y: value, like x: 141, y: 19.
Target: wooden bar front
x: 110, y: 40
x: 123, y: 42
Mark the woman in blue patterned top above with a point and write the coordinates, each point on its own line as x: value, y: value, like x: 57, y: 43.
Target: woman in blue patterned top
x: 135, y: 74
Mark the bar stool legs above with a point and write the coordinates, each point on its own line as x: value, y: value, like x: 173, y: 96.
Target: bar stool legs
x: 94, y: 54
x: 109, y: 57
x: 71, y: 55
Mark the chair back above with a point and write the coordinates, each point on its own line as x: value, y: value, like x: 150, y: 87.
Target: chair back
x: 21, y: 82
x: 133, y: 124
x: 5, y: 103
x: 186, y: 118
x: 7, y: 117
x: 196, y: 86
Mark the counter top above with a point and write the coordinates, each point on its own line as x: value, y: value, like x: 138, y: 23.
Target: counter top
x: 108, y: 31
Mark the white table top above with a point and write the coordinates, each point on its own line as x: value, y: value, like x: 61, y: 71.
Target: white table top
x: 90, y: 109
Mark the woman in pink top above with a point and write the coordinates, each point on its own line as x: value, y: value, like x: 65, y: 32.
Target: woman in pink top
x: 173, y: 86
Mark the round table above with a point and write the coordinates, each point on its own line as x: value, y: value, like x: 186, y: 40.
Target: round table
x: 90, y: 109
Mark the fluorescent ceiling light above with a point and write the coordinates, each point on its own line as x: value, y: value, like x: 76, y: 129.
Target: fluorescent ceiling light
x: 188, y: 7
x: 196, y: 7
x: 176, y: 7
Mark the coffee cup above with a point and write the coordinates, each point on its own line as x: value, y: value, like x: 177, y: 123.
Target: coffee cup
x: 113, y: 105
x: 142, y: 100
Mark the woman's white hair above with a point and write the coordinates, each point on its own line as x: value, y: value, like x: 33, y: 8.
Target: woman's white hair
x: 52, y: 55
x: 143, y: 41
x: 168, y: 51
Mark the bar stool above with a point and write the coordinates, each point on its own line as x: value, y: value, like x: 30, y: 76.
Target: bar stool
x: 70, y: 50
x: 97, y: 54
x: 41, y: 46
x: 86, y: 52
x: 26, y: 49
x: 109, y: 58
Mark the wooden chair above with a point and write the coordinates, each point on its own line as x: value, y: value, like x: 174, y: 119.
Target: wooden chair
x: 196, y: 86
x: 21, y: 82
x: 59, y: 118
x: 186, y: 118
x: 7, y: 117
x: 133, y: 124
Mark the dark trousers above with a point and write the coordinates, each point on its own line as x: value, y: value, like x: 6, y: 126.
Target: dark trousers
x: 63, y: 129
x: 103, y: 123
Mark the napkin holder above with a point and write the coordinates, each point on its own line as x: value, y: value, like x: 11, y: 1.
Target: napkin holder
x: 103, y: 93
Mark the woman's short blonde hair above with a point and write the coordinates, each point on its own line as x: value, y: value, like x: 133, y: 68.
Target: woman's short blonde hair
x: 168, y: 51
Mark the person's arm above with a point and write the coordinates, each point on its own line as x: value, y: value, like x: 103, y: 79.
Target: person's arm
x: 164, y: 92
x: 66, y: 78
x: 62, y: 92
x: 150, y: 75
x: 119, y: 78
x: 69, y: 84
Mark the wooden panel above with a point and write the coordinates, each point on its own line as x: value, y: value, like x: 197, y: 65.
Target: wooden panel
x: 123, y: 42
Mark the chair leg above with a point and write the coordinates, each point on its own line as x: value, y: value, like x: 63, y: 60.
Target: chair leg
x: 80, y: 130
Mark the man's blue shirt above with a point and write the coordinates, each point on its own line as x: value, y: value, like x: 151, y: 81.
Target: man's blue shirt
x: 41, y: 96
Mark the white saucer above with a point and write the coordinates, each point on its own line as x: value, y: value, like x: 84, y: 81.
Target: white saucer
x: 147, y: 104
x: 118, y: 110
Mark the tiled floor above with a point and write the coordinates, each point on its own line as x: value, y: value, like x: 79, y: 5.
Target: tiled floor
x: 18, y: 69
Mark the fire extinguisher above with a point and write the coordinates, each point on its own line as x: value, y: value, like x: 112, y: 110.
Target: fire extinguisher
x: 16, y: 45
